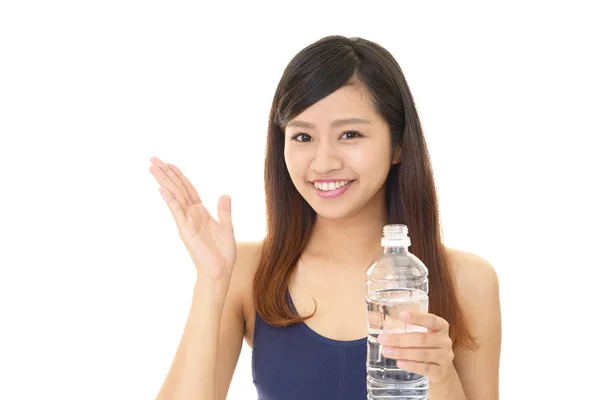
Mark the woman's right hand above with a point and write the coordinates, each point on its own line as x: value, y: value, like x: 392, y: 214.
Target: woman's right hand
x: 211, y: 244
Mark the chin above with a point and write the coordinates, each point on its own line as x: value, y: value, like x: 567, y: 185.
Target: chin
x: 333, y: 211
x: 331, y: 214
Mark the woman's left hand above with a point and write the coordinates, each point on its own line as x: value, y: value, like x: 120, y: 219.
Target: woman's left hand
x: 425, y: 353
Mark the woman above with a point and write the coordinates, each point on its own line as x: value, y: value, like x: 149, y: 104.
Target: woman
x: 345, y: 156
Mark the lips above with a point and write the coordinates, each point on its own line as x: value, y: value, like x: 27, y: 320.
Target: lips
x: 330, y: 194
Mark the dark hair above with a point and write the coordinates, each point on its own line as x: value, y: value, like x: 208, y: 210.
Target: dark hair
x: 314, y: 73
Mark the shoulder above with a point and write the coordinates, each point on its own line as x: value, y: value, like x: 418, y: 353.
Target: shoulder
x: 248, y: 256
x: 478, y: 295
x: 244, y: 269
x: 475, y: 277
x: 477, y: 290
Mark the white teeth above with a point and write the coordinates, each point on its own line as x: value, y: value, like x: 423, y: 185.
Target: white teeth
x: 330, y: 185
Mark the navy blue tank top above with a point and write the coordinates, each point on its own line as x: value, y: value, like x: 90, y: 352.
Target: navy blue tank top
x: 296, y: 363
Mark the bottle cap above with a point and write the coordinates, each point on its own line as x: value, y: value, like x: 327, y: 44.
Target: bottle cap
x: 395, y: 235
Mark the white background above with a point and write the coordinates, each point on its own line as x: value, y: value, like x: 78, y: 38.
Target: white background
x: 94, y: 283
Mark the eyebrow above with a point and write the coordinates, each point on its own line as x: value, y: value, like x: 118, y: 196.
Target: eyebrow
x: 334, y: 124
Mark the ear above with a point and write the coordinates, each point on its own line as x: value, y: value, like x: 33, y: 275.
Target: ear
x: 397, y: 154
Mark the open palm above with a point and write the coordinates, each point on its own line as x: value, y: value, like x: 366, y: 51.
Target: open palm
x: 211, y: 243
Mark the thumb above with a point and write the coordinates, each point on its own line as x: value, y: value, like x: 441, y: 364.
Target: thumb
x: 224, y: 211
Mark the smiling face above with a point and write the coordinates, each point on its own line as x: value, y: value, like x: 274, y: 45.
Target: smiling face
x: 340, y: 138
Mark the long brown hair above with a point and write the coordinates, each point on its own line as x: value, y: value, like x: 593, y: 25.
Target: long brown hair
x: 314, y: 73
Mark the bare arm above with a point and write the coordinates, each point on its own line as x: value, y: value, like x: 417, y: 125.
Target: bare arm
x: 479, y: 369
x: 192, y: 373
x: 211, y: 342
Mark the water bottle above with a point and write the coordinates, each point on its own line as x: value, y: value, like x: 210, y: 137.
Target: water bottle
x: 396, y: 281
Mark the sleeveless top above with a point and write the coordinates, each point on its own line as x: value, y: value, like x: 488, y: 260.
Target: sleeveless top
x: 297, y: 363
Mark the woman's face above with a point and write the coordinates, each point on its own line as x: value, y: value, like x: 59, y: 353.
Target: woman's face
x: 317, y: 147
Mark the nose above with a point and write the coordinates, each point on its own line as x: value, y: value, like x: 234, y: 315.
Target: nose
x: 326, y: 159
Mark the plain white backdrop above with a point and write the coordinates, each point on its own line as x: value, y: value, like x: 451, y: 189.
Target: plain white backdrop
x: 95, y: 285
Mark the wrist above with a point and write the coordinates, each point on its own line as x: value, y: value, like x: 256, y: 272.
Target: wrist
x: 211, y: 289
x: 449, y: 388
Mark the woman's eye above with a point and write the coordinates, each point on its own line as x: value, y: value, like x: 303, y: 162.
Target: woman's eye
x: 356, y: 134
x: 301, y: 134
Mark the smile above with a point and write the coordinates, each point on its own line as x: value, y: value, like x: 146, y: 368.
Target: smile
x: 337, y: 189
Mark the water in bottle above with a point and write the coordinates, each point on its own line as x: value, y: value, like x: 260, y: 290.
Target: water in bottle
x: 396, y: 281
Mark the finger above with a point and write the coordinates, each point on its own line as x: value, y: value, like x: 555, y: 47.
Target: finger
x: 174, y: 180
x: 437, y: 356
x: 412, y: 339
x: 188, y: 185
x: 430, y: 321
x: 168, y: 179
x: 425, y: 369
x: 224, y: 211
x: 174, y: 206
x: 166, y: 183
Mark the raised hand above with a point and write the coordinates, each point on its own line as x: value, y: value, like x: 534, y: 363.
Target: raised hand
x: 211, y: 244
x: 425, y: 353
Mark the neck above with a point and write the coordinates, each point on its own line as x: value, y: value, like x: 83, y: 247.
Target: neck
x: 355, y: 240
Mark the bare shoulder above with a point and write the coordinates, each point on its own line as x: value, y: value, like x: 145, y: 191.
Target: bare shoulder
x: 248, y: 255
x: 478, y: 294
x: 474, y: 275
x: 244, y: 269
x: 477, y: 289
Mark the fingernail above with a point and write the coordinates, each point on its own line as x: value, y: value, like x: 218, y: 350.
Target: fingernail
x: 405, y: 315
x: 386, y: 351
x: 383, y: 339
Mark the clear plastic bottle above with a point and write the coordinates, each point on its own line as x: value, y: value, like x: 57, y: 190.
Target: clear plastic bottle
x: 396, y: 281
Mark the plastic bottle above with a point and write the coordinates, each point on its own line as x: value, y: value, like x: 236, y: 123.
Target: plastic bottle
x: 396, y: 281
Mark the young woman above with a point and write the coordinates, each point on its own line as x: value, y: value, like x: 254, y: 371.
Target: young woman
x: 345, y: 156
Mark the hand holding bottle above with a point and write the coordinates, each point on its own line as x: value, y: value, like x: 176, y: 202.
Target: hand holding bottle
x: 211, y: 244
x: 425, y: 353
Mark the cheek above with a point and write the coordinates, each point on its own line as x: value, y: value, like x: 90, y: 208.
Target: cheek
x: 368, y: 162
x: 359, y: 157
x: 294, y: 164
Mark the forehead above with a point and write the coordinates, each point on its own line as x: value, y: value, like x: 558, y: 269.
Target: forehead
x: 347, y: 102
